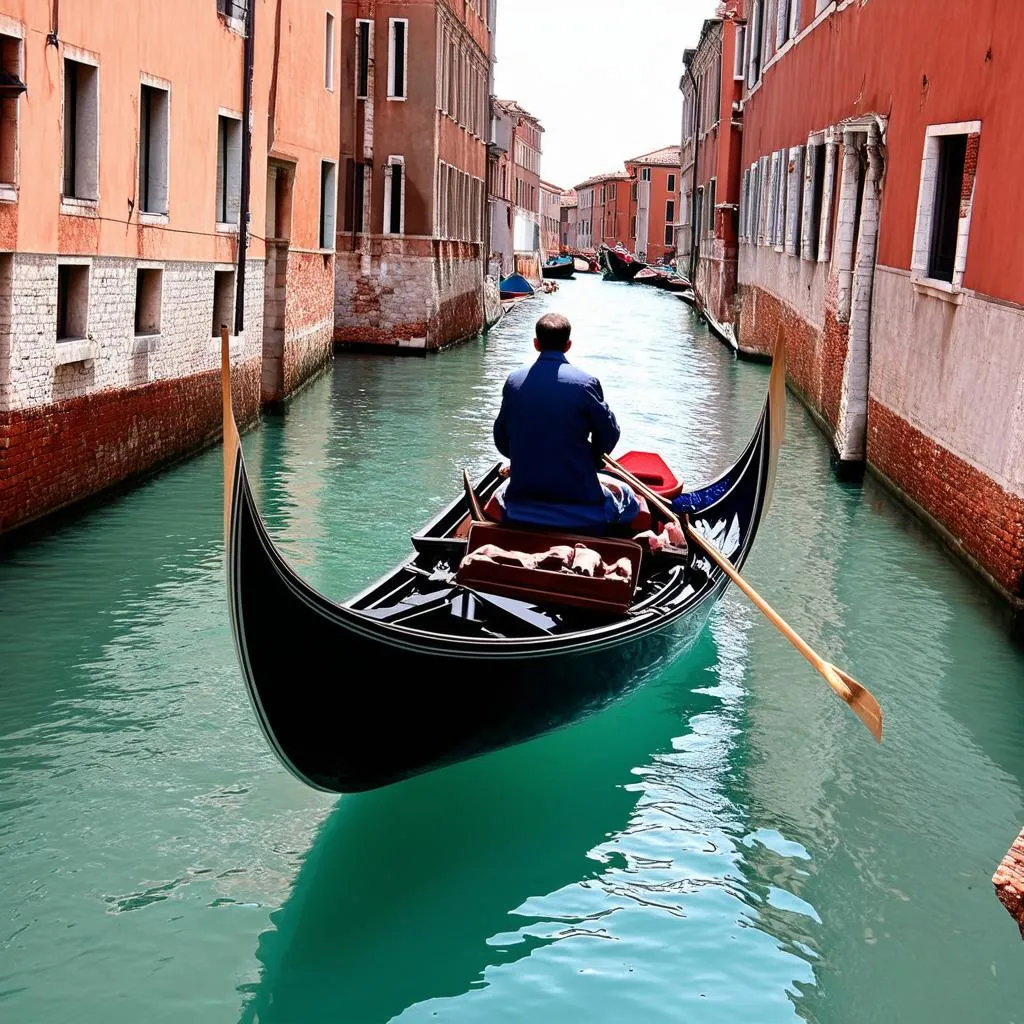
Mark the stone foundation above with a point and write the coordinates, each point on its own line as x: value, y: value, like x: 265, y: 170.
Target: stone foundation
x: 716, y: 285
x: 1009, y: 882
x: 984, y: 521
x: 299, y: 328
x: 78, y: 416
x: 59, y: 453
x: 409, y: 293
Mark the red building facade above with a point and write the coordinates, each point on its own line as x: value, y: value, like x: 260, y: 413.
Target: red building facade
x: 607, y: 210
x: 879, y: 145
x: 712, y: 139
x: 414, y: 148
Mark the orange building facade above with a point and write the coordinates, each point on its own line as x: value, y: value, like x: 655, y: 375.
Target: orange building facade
x: 123, y: 216
x: 656, y: 195
x: 550, y: 218
x: 414, y: 158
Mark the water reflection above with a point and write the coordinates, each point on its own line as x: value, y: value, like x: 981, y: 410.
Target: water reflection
x: 437, y: 886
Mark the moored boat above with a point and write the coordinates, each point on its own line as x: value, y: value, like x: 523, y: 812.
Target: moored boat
x: 422, y: 670
x: 585, y: 265
x: 559, y: 268
x: 515, y: 286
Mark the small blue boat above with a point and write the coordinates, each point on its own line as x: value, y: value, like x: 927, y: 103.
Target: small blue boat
x: 560, y: 268
x: 515, y: 286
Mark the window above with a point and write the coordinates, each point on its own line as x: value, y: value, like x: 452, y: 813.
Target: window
x: 741, y: 39
x: 794, y: 195
x: 10, y: 65
x: 355, y: 197
x: 81, y: 130
x: 72, y: 302
x: 711, y: 207
x: 362, y: 58
x: 154, y: 105
x: 234, y: 9
x: 397, y: 77
x: 148, y: 294
x: 634, y: 191
x: 328, y: 202
x: 756, y: 35
x: 223, y: 300
x: 670, y: 211
x: 945, y: 203
x: 816, y: 172
x: 632, y: 228
x: 229, y: 169
x: 946, y: 209
x: 645, y: 174
x: 329, y: 52
x: 668, y: 234
x: 671, y: 183
x: 394, y: 196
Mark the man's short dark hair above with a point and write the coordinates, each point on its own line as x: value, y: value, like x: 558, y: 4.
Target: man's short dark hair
x: 553, y: 332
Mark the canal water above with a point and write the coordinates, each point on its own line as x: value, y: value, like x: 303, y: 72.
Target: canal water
x: 726, y: 844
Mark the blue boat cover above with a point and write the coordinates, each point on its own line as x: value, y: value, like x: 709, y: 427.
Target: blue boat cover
x: 516, y: 284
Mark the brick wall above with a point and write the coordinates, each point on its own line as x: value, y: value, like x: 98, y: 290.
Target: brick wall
x: 55, y: 454
x: 985, y: 520
x: 69, y: 429
x: 412, y: 293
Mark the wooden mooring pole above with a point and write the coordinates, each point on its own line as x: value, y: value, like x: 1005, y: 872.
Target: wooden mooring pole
x: 1009, y: 882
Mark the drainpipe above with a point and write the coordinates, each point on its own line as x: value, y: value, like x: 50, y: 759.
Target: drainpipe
x: 246, y: 169
x: 693, y: 196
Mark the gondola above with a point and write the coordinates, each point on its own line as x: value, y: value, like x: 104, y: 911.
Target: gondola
x: 585, y: 265
x: 515, y: 286
x: 620, y: 265
x: 420, y: 671
x: 559, y: 268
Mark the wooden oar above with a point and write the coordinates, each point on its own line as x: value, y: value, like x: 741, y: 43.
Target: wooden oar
x: 475, y: 511
x: 860, y: 700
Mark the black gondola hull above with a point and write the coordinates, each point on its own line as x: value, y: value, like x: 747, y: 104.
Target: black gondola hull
x: 352, y: 697
x: 558, y: 271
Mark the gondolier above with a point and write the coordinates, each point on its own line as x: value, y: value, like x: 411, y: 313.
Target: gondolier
x: 555, y: 427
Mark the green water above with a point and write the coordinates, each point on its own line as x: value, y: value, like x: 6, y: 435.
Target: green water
x: 725, y: 845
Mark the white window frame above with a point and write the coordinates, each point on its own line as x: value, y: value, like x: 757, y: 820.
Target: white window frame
x: 393, y: 94
x: 229, y: 225
x: 393, y: 160
x: 328, y: 206
x: 76, y: 203
x: 739, y: 57
x: 9, y: 189
x: 926, y: 211
x: 156, y: 216
x: 329, y: 34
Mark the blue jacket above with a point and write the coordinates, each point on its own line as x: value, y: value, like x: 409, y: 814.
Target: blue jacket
x: 554, y: 426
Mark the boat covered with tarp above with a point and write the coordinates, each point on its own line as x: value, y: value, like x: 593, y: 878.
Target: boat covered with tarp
x: 515, y: 286
x: 438, y: 662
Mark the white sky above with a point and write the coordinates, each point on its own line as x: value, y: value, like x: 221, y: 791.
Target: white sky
x: 601, y: 75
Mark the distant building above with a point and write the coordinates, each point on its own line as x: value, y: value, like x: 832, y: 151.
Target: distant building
x: 655, y: 192
x: 526, y: 157
x: 607, y: 209
x: 129, y: 237
x: 568, y: 219
x: 500, y: 192
x: 550, y: 218
x: 414, y: 151
x: 710, y: 163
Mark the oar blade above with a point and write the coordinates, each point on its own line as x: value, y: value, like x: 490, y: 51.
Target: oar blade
x: 862, y: 703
